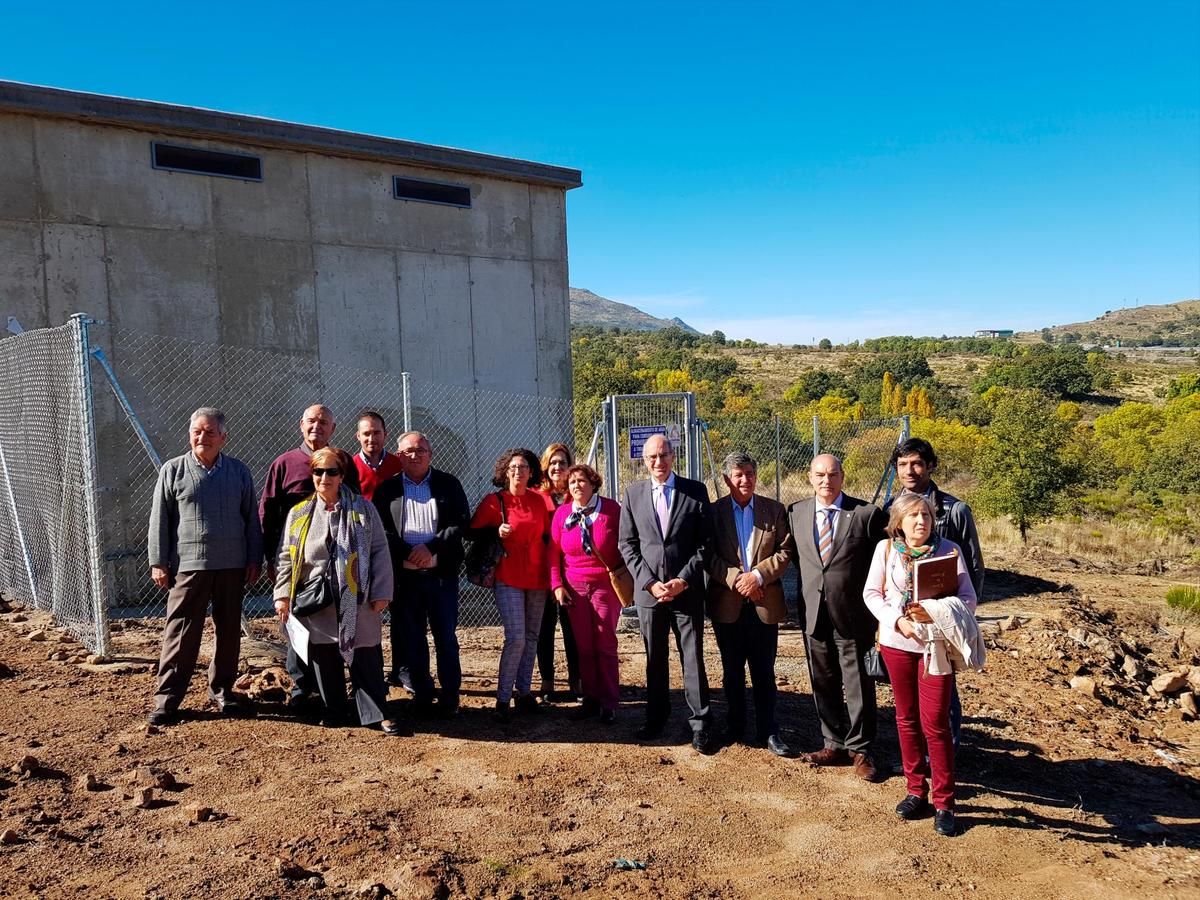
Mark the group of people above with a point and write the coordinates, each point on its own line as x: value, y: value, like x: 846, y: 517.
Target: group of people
x: 345, y: 537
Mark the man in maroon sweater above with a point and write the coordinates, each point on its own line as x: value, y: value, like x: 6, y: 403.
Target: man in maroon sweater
x: 289, y: 480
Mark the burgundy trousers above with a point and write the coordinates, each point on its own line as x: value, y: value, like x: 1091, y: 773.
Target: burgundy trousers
x: 923, y: 725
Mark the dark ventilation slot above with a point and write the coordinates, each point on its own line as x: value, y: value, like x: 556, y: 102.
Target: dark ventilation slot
x: 431, y: 192
x: 199, y: 161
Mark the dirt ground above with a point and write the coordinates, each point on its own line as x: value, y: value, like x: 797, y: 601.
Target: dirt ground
x: 1063, y: 792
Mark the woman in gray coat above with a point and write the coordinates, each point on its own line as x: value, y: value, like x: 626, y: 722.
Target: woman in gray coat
x: 337, y: 534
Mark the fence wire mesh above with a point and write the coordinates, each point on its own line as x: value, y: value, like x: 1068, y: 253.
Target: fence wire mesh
x: 44, y: 492
x: 52, y: 389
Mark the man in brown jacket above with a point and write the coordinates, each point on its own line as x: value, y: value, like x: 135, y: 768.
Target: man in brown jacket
x: 752, y: 548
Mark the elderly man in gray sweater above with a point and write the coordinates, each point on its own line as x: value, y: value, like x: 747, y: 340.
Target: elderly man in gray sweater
x: 205, y: 546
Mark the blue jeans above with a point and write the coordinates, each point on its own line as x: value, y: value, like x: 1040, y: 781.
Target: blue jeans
x: 429, y: 601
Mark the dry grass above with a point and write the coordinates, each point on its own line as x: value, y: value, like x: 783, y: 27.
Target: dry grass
x: 1093, y: 541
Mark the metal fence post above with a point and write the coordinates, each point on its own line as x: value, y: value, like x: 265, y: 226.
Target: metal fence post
x: 612, y: 453
x: 778, y: 459
x: 906, y: 433
x: 816, y: 437
x: 87, y: 425
x: 407, y: 400
x: 16, y: 520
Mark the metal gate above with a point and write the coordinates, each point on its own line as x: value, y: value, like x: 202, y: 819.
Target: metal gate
x: 629, y: 420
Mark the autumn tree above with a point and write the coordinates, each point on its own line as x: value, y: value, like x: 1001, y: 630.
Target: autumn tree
x: 1023, y: 464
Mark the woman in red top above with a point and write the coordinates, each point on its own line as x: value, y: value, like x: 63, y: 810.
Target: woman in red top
x: 522, y: 520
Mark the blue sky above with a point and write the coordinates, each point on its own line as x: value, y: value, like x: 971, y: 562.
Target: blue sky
x: 780, y: 171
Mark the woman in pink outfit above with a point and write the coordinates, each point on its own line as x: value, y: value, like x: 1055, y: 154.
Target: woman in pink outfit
x: 583, y: 544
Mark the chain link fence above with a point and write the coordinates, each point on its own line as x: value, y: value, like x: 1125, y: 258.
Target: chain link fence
x: 88, y: 412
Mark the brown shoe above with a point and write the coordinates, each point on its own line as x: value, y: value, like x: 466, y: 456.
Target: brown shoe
x: 827, y: 756
x: 864, y: 767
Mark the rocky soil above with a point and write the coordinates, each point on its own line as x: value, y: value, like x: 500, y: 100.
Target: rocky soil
x: 1077, y: 777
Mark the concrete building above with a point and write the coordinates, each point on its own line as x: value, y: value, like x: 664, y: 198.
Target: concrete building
x: 308, y: 252
x: 994, y: 333
x: 309, y: 263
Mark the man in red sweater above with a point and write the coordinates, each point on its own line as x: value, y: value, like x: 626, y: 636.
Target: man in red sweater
x: 375, y: 465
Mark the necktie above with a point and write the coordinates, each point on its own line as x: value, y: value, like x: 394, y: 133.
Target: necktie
x: 661, y: 510
x: 825, y: 536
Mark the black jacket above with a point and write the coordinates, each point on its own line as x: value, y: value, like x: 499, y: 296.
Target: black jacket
x: 452, y: 517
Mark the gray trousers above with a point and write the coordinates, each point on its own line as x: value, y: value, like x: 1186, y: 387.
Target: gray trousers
x: 656, y: 623
x: 842, y: 690
x: 187, y: 603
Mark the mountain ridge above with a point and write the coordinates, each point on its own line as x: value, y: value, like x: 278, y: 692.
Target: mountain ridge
x: 589, y: 308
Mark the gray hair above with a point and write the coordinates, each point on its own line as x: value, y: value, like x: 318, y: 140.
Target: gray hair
x: 738, y: 459
x: 211, y: 413
x: 417, y: 434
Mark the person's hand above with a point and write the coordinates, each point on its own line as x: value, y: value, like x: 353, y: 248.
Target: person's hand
x: 676, y: 586
x: 660, y: 592
x: 160, y: 576
x: 505, y: 530
x: 916, y: 612
x: 420, y: 556
x: 281, y: 609
x: 380, y: 605
x: 252, y: 572
x: 905, y: 627
x: 560, y: 596
x: 747, y: 585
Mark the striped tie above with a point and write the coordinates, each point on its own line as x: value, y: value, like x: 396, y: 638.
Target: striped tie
x: 825, y: 536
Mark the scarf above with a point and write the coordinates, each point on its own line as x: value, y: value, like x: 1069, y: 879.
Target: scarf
x: 909, y: 555
x: 350, y: 555
x: 583, y: 518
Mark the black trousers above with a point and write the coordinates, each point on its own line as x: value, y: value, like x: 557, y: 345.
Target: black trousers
x: 552, y: 614
x: 749, y: 642
x: 842, y: 690
x: 366, y: 678
x: 657, y: 623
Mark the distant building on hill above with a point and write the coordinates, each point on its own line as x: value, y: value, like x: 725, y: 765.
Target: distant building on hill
x: 994, y: 332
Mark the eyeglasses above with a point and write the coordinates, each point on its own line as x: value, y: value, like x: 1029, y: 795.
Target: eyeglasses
x: 332, y: 473
x: 416, y: 451
x: 519, y: 467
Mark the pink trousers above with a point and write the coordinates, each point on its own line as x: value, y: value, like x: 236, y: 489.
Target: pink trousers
x: 594, y: 616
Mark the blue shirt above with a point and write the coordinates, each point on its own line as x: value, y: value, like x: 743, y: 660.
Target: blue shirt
x: 743, y: 519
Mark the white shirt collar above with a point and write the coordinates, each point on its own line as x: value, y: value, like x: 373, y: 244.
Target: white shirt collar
x: 669, y: 483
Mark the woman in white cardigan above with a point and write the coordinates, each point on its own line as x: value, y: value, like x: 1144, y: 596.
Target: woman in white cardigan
x: 922, y: 698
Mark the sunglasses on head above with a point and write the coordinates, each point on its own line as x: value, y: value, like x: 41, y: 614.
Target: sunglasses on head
x: 332, y: 473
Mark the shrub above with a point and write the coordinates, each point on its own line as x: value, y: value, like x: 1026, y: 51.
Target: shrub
x: 1185, y: 598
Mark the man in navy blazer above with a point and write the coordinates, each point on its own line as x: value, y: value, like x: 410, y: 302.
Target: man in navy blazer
x: 664, y: 539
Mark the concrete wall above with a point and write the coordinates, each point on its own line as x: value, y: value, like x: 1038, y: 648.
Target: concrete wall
x: 318, y: 259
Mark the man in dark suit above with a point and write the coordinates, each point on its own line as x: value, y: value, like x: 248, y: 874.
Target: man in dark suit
x: 836, y: 536
x: 752, y: 548
x: 664, y: 539
x: 424, y: 513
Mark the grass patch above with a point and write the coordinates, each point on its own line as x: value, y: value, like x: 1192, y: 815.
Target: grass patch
x: 1185, y: 598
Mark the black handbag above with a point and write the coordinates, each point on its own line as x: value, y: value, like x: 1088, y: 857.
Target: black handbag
x: 485, y: 554
x: 874, y: 665
x: 313, y: 596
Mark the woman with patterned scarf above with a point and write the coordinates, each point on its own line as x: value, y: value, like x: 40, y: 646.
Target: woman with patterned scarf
x: 922, y: 698
x: 583, y: 544
x: 336, y: 533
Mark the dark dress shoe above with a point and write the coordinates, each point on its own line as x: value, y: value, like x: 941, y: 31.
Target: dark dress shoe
x: 943, y: 823
x: 231, y: 707
x: 702, y: 742
x: 828, y: 756
x: 391, y: 728
x: 776, y: 745
x: 527, y: 703
x: 608, y: 716
x: 650, y: 731
x: 589, y: 708
x: 865, y: 768
x: 163, y: 717
x: 503, y: 711
x: 912, y: 807
x: 401, y: 679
